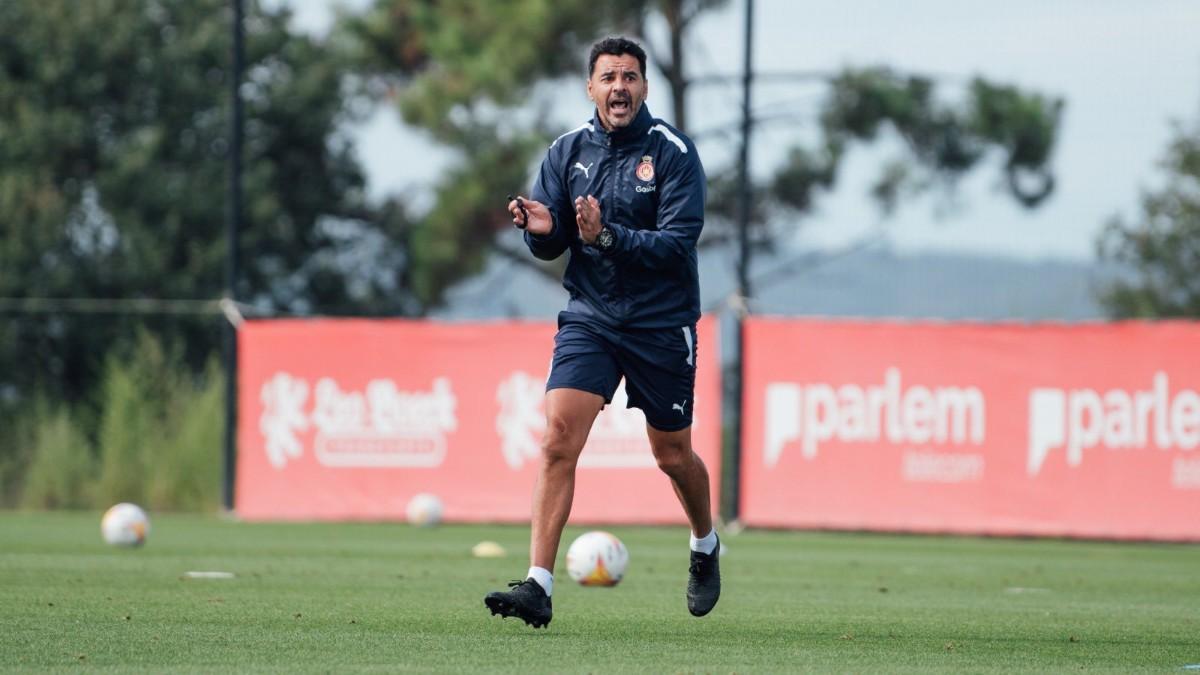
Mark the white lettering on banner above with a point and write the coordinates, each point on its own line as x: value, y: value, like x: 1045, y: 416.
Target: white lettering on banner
x: 1185, y: 474
x: 817, y: 412
x: 1080, y: 419
x: 381, y: 427
x: 283, y: 398
x: 521, y: 421
x: 617, y: 439
x: 932, y: 467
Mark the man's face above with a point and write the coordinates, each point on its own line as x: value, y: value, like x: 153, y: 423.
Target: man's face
x: 618, y: 89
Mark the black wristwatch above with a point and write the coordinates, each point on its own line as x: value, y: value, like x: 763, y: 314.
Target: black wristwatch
x: 605, y: 240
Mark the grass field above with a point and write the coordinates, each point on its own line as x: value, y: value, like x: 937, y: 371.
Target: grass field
x: 390, y: 598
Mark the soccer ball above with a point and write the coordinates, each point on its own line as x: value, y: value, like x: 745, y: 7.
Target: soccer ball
x: 597, y: 559
x: 125, y: 525
x: 424, y: 510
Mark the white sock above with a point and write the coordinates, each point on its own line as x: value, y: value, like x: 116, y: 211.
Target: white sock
x: 704, y: 545
x: 544, y: 578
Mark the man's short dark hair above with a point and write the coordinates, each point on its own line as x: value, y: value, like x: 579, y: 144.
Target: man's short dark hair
x: 617, y: 46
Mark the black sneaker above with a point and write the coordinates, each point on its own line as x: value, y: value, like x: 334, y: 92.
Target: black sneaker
x: 704, y: 581
x: 526, y: 601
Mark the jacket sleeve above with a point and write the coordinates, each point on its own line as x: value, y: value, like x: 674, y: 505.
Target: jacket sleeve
x: 680, y: 218
x: 548, y: 189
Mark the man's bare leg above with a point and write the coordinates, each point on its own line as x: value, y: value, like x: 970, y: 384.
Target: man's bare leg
x: 569, y: 417
x: 674, y: 454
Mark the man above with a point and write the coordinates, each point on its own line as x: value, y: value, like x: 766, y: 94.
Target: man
x: 624, y: 194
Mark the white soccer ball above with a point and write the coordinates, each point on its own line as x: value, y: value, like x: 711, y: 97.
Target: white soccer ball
x: 424, y: 510
x: 597, y: 559
x: 125, y: 525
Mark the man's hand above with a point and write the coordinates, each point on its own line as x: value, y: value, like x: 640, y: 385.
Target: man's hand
x: 587, y: 216
x: 540, y: 222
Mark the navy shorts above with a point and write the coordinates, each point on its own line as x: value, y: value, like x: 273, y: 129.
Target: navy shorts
x: 658, y: 364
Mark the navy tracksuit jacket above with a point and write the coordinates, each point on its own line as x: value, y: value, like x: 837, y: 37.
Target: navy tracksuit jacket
x: 651, y: 188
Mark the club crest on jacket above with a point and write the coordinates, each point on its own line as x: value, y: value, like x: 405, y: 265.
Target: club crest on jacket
x: 645, y: 169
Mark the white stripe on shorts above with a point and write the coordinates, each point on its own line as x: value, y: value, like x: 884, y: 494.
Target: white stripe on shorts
x: 687, y: 337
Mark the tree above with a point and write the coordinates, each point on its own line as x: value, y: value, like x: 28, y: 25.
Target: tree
x: 940, y: 142
x: 480, y: 78
x: 114, y: 120
x: 1159, y: 253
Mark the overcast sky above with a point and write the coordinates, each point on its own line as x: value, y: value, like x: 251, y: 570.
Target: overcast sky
x: 1126, y: 68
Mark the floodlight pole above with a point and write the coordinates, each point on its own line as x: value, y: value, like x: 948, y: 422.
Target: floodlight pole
x: 741, y: 305
x: 233, y: 219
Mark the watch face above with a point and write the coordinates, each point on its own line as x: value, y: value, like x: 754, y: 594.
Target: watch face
x: 605, y: 239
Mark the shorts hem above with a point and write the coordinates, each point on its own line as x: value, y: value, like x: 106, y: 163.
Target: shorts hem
x: 669, y: 427
x: 607, y: 399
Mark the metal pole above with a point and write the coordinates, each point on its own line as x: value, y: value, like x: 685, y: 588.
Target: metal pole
x: 744, y: 161
x: 733, y: 472
x: 232, y: 226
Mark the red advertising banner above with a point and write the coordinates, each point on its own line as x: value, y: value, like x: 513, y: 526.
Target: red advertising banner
x: 349, y: 419
x: 1086, y: 430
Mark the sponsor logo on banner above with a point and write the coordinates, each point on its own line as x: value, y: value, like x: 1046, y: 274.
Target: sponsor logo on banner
x: 1046, y: 429
x: 1081, y: 419
x: 380, y: 426
x: 521, y: 420
x: 814, y: 413
x: 617, y: 440
x: 347, y: 419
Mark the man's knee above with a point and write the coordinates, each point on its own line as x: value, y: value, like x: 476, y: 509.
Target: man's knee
x: 672, y: 456
x: 561, y: 444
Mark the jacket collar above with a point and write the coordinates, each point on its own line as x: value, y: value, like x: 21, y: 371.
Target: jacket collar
x: 639, y: 127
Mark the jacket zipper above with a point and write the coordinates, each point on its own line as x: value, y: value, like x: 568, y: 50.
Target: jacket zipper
x: 614, y: 158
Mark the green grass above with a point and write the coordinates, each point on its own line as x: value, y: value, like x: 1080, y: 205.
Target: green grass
x: 389, y: 598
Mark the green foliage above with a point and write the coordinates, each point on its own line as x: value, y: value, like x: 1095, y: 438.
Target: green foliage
x: 186, y: 466
x: 943, y: 141
x: 442, y: 57
x: 17, y: 437
x: 1160, y: 251
x: 113, y: 177
x: 1024, y: 126
x: 802, y: 174
x: 131, y: 425
x: 160, y: 432
x: 62, y: 470
x: 449, y: 244
x: 159, y: 437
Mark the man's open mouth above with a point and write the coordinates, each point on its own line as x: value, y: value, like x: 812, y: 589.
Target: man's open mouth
x: 619, y: 105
